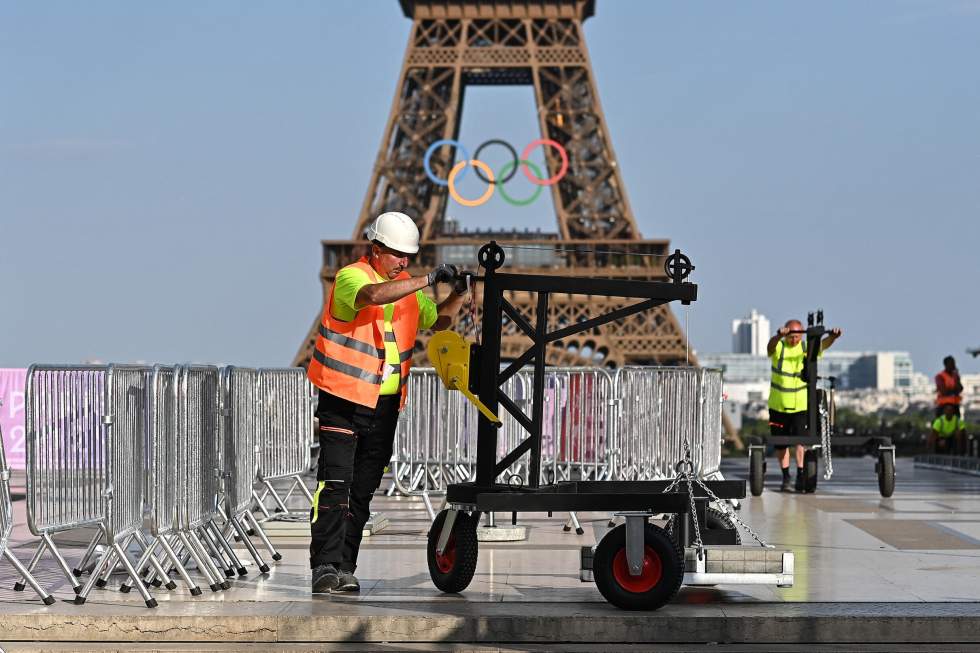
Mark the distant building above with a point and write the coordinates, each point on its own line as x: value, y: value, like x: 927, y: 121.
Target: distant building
x: 747, y: 376
x: 750, y: 334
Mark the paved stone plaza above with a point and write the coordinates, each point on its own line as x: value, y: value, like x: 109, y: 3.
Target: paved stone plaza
x: 868, y: 571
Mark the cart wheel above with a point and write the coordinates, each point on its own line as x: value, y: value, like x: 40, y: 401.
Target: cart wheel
x: 886, y: 473
x: 715, y: 520
x: 810, y: 471
x: 453, y: 570
x: 757, y: 471
x: 663, y: 570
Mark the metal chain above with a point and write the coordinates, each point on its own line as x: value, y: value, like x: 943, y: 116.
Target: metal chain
x: 687, y: 465
x: 825, y: 441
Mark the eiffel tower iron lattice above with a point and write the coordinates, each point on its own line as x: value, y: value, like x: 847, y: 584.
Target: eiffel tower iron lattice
x: 457, y: 43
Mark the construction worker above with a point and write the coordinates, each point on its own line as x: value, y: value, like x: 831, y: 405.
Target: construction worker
x: 949, y: 389
x: 948, y: 433
x: 787, y: 391
x: 360, y: 365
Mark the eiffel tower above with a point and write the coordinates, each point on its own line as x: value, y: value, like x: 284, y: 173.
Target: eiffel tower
x: 540, y: 43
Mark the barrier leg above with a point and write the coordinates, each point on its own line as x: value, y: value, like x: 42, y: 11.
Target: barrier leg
x: 304, y: 489
x: 215, y: 573
x: 275, y: 497
x: 128, y: 566
x: 217, y: 559
x: 155, y: 563
x: 172, y: 556
x: 573, y: 521
x: 89, y: 552
x: 38, y: 552
x: 28, y: 577
x: 263, y: 568
x: 260, y: 503
x: 428, y: 505
x: 204, y: 569
x: 249, y: 517
x: 53, y: 548
x: 107, y: 557
x: 225, y: 543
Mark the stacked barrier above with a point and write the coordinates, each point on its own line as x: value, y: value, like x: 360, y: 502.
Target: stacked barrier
x: 7, y: 526
x: 288, y: 437
x: 162, y: 459
x: 631, y: 424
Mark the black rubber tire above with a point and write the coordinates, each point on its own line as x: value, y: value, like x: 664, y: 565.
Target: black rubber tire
x: 757, y: 471
x: 886, y: 473
x: 455, y: 574
x: 609, y: 559
x: 714, y: 518
x: 810, y: 471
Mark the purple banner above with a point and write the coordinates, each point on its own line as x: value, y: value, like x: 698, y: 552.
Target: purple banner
x: 12, y: 383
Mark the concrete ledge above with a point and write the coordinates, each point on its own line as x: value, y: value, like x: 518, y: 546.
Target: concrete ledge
x: 506, y: 622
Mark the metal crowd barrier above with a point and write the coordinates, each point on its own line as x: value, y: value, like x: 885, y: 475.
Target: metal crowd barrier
x: 630, y: 424
x: 287, y: 434
x: 155, y: 458
x: 7, y: 527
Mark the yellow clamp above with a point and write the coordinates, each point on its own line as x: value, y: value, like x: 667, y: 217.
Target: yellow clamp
x: 449, y: 353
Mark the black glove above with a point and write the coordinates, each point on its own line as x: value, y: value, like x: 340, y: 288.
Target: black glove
x: 460, y: 286
x: 445, y: 273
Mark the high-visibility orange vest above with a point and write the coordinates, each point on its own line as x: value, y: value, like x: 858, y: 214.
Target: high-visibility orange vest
x: 949, y: 383
x: 349, y: 357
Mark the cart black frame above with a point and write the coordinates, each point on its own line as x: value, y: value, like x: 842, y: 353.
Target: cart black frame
x: 637, y: 501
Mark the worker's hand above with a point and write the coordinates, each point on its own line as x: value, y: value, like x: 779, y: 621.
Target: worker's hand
x: 445, y: 273
x: 460, y: 286
x: 783, y: 332
x: 836, y: 333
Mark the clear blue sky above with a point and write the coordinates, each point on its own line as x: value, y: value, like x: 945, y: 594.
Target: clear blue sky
x: 167, y: 169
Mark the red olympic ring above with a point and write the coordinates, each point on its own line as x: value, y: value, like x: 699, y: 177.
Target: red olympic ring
x: 526, y: 154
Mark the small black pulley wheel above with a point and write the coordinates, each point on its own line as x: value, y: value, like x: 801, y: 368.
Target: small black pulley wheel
x: 678, y: 266
x: 452, y: 570
x: 491, y: 256
x: 659, y: 579
x: 810, y: 470
x: 886, y: 473
x: 757, y: 471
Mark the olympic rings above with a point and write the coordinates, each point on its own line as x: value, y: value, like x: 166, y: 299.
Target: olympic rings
x: 452, y: 188
x: 561, y: 152
x: 509, y: 166
x: 506, y: 173
x: 513, y: 155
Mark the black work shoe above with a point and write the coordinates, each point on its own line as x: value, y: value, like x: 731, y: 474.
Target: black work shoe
x: 325, y: 578
x: 799, y: 482
x: 786, y: 486
x: 347, y: 583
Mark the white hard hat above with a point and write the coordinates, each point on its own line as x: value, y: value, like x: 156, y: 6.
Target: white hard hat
x: 395, y: 230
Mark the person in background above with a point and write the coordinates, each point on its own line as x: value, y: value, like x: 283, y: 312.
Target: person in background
x: 948, y: 433
x: 949, y: 389
x: 788, y: 393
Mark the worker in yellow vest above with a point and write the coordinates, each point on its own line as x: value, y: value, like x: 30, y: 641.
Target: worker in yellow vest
x: 362, y: 357
x: 948, y: 433
x: 788, y: 393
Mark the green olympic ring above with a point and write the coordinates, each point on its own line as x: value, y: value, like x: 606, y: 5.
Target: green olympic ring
x: 510, y: 165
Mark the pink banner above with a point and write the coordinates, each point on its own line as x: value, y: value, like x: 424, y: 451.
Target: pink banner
x: 12, y: 415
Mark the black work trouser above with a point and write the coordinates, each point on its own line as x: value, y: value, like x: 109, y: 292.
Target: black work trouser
x: 355, y: 448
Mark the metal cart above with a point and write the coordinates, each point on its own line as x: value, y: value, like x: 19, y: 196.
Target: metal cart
x: 636, y: 565
x: 819, y: 437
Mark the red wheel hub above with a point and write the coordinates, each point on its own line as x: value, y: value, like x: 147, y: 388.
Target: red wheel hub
x: 446, y: 560
x: 648, y: 578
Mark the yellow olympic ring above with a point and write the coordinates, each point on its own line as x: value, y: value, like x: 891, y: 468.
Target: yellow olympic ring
x: 482, y: 199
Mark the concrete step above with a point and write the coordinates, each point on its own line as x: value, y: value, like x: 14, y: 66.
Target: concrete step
x: 337, y: 621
